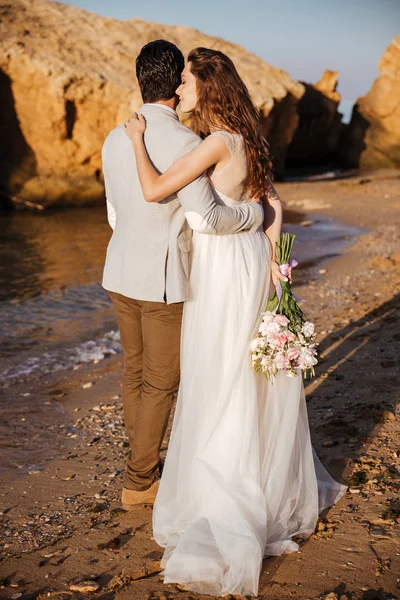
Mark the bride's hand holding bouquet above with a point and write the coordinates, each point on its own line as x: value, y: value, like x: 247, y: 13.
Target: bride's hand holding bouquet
x: 286, y: 339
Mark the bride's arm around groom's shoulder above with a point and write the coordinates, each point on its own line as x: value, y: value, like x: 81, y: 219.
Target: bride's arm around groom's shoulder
x: 201, y: 209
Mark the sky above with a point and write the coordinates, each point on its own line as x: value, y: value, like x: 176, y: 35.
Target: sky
x: 304, y: 37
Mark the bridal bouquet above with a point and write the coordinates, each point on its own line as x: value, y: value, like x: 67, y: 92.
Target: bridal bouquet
x: 286, y: 339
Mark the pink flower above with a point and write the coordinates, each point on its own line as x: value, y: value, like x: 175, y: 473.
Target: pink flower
x: 271, y: 340
x: 277, y: 340
x: 290, y: 336
x: 281, y: 338
x: 292, y: 354
x: 281, y: 362
x: 281, y: 320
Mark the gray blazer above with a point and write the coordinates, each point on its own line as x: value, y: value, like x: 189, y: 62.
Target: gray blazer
x: 148, y: 253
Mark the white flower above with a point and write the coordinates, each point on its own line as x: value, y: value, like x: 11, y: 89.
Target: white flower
x: 268, y: 316
x: 265, y: 361
x: 307, y: 358
x: 308, y: 329
x: 271, y: 327
x: 256, y: 344
x: 281, y: 362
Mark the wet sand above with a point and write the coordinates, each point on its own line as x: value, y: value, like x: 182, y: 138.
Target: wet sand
x: 61, y: 523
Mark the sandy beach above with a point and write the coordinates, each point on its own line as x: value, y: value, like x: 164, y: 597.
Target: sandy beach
x: 63, y: 533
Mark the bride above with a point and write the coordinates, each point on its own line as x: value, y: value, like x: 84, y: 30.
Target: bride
x: 241, y: 480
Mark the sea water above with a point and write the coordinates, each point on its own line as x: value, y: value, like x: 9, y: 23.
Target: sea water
x: 54, y: 313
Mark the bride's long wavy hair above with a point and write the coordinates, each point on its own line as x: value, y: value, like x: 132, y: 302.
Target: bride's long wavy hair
x: 224, y: 102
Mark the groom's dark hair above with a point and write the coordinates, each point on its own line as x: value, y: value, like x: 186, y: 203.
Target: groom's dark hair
x: 158, y: 69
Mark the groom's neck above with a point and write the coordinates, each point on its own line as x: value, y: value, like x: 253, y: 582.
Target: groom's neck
x: 171, y: 103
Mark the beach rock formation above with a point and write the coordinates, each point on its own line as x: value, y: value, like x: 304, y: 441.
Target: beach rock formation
x: 318, y: 133
x: 67, y: 77
x: 373, y: 136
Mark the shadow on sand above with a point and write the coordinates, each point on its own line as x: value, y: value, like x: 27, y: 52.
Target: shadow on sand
x: 357, y: 387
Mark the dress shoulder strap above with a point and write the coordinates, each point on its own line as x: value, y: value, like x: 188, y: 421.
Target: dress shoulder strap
x: 229, y: 139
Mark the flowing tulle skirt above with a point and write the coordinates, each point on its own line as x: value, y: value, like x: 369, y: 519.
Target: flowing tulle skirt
x: 241, y: 478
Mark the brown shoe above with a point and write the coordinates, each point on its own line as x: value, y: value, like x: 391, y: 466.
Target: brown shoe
x: 132, y: 498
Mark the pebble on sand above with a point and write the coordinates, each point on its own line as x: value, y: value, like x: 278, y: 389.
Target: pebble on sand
x: 85, y: 587
x: 388, y: 415
x: 331, y: 596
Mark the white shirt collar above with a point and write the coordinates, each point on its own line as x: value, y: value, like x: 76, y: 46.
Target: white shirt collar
x: 161, y: 106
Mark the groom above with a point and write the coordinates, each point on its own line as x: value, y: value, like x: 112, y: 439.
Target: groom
x: 147, y: 264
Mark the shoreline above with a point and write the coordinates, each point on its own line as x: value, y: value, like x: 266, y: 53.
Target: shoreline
x: 63, y: 522
x: 48, y: 328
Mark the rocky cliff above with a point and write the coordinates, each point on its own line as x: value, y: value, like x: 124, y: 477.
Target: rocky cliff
x: 373, y: 136
x: 68, y: 76
x: 319, y: 130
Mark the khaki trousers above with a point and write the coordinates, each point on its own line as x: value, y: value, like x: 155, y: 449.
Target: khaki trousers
x: 150, y: 339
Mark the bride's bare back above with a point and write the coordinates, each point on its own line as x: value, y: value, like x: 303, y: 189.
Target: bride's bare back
x: 230, y: 179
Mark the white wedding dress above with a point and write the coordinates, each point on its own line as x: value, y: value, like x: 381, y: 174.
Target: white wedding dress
x: 241, y: 478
